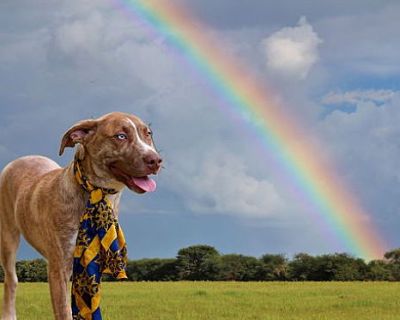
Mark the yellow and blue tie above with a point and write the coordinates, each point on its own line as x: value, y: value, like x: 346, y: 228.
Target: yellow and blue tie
x: 100, y: 249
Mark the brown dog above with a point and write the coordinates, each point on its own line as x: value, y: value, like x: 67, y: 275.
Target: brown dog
x: 44, y: 202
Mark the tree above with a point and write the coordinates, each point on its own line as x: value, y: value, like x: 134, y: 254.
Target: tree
x: 347, y: 268
x: 379, y: 270
x: 274, y: 267
x: 199, y: 262
x: 32, y: 270
x: 393, y: 259
x: 202, y: 262
x: 152, y: 270
x: 302, y: 267
x: 238, y: 267
x: 328, y: 267
x: 393, y: 256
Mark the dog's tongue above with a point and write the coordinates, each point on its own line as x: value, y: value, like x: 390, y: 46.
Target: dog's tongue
x: 145, y: 183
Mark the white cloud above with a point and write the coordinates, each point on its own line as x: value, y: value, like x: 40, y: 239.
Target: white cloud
x: 81, y: 34
x: 108, y: 47
x: 365, y: 143
x: 358, y: 96
x: 219, y: 182
x: 292, y: 51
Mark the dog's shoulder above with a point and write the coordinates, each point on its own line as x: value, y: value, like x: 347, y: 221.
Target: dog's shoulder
x: 27, y: 168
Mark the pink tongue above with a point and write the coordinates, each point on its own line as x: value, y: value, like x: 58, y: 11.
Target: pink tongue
x: 145, y: 183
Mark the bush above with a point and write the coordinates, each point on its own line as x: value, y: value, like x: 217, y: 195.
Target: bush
x: 200, y: 262
x: 32, y: 270
x: 238, y: 267
x: 152, y: 270
x: 274, y: 267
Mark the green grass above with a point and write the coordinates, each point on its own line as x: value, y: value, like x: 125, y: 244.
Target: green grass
x: 229, y: 300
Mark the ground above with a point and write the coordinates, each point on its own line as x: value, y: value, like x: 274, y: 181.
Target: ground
x: 229, y: 300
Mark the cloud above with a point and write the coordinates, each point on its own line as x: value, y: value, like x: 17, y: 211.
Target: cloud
x: 187, y: 123
x: 81, y: 35
x: 365, y: 147
x: 365, y: 150
x: 80, y: 59
x: 361, y: 44
x: 219, y: 182
x: 104, y: 38
x: 292, y: 51
x: 358, y: 96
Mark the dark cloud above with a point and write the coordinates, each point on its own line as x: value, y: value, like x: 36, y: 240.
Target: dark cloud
x: 228, y: 14
x: 63, y: 61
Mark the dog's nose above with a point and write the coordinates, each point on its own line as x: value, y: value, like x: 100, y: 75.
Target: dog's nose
x: 153, y: 161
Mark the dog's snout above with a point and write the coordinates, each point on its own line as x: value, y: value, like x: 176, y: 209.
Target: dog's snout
x: 153, y: 161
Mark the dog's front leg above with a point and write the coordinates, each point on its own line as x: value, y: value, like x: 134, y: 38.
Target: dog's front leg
x: 58, y: 279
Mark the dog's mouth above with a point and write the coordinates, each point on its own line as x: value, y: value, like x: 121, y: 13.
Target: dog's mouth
x: 139, y: 184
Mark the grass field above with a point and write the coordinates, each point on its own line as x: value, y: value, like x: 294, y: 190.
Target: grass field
x: 229, y: 300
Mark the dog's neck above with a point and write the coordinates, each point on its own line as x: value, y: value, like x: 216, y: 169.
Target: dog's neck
x: 95, y: 175
x: 75, y: 191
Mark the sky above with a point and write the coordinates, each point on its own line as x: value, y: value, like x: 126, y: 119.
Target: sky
x: 333, y: 66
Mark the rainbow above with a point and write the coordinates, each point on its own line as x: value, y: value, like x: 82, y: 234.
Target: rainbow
x: 336, y: 209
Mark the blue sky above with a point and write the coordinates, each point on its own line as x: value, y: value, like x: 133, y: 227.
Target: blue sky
x: 334, y: 66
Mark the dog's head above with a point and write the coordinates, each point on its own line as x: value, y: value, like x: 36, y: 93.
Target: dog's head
x: 117, y: 147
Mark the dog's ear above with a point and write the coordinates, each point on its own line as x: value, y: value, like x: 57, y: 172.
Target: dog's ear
x: 78, y: 134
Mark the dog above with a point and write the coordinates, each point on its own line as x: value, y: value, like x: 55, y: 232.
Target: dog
x: 44, y: 202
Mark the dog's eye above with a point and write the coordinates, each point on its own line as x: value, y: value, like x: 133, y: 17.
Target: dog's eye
x: 149, y: 133
x: 121, y: 136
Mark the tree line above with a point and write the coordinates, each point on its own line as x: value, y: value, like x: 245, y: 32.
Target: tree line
x: 203, y: 262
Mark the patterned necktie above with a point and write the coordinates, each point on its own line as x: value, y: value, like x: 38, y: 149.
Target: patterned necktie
x: 100, y: 248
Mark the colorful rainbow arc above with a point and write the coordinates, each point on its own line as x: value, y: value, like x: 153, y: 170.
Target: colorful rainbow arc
x: 277, y: 132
